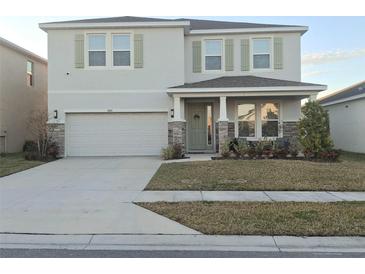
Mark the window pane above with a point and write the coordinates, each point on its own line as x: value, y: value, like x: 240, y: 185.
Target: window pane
x: 269, y: 111
x: 246, y: 112
x: 270, y: 128
x: 246, y: 120
x: 96, y: 58
x: 261, y: 46
x: 261, y: 61
x: 121, y: 42
x: 213, y: 47
x: 212, y: 62
x: 246, y: 128
x: 210, y: 124
x: 121, y: 58
x: 96, y: 42
x: 29, y: 67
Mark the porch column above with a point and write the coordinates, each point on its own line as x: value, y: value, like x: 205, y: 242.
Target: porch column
x: 177, y: 108
x: 177, y: 126
x: 222, y: 123
x: 223, y: 108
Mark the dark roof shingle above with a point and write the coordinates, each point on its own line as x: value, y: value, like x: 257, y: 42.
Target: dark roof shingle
x: 243, y: 82
x: 195, y: 24
x: 346, y: 93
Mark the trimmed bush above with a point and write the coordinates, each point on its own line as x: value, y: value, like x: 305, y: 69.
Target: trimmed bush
x: 172, y: 152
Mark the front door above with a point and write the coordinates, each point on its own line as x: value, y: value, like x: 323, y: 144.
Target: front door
x: 197, y: 127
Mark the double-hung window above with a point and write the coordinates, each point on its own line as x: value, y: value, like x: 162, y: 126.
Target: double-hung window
x: 121, y: 50
x: 261, y: 53
x: 246, y: 120
x: 97, y: 50
x: 270, y: 119
x: 30, y: 73
x: 213, y: 54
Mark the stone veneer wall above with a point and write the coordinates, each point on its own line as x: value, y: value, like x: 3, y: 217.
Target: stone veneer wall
x: 231, y: 130
x: 57, y: 133
x: 231, y: 133
x: 222, y: 133
x: 290, y: 130
x: 177, y: 133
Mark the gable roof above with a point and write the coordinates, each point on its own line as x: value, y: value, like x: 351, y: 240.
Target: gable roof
x: 346, y: 94
x: 244, y: 82
x: 190, y: 25
x: 22, y: 51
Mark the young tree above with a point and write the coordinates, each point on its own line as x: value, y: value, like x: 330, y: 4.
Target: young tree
x: 314, y: 133
x: 37, y: 125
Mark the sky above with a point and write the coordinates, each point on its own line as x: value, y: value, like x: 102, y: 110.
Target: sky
x: 333, y: 50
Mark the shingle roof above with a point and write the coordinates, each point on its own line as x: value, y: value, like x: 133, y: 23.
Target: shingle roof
x: 243, y: 82
x: 195, y: 24
x: 347, y: 93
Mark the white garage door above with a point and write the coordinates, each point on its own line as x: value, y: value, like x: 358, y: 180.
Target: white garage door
x: 115, y: 134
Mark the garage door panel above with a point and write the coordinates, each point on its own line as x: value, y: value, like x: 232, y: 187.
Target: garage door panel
x: 116, y: 134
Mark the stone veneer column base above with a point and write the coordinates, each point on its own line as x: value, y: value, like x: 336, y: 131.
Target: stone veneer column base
x: 222, y: 133
x: 177, y: 133
x: 57, y: 134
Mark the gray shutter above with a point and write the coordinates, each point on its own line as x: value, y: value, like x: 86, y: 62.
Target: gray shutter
x: 197, y: 56
x: 245, y: 54
x: 278, y: 53
x: 138, y: 50
x: 79, y: 51
x: 228, y: 48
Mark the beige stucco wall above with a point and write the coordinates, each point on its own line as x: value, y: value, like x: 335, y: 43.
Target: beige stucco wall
x: 17, y: 100
x: 103, y: 89
x: 291, y: 49
x: 347, y: 125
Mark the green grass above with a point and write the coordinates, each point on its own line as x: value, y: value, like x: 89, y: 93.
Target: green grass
x: 346, y: 175
x: 15, y: 162
x: 265, y: 218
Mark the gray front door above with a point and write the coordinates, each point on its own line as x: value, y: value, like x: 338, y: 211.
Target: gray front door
x: 197, y: 126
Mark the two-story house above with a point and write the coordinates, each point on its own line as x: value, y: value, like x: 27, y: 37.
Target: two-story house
x: 23, y: 92
x: 131, y: 85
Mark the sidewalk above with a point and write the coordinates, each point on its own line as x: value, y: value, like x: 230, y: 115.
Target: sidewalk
x: 249, y: 196
x: 184, y: 242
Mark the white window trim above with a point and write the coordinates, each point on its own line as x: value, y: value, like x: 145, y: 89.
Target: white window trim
x: 131, y: 46
x: 271, y: 68
x: 31, y: 73
x: 258, y: 125
x: 109, y: 51
x: 204, y: 70
x: 87, y: 50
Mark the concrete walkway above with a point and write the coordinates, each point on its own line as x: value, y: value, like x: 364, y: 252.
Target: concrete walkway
x: 185, y: 242
x: 249, y: 196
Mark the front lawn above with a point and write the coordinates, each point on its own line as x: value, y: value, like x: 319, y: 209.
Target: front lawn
x: 15, y: 162
x: 257, y: 218
x: 347, y: 175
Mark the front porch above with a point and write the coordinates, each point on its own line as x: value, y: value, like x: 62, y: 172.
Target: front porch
x: 207, y: 114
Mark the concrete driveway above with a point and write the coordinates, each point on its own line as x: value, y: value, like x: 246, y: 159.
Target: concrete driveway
x: 89, y: 195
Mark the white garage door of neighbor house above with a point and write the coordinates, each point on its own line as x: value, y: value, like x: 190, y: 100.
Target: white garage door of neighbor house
x: 116, y: 134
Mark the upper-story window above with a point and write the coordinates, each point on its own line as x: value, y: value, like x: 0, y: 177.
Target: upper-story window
x: 261, y: 53
x: 121, y: 50
x: 97, y: 50
x: 30, y: 73
x: 213, y: 54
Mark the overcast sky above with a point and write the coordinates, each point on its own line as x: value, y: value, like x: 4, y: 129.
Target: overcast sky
x: 333, y: 50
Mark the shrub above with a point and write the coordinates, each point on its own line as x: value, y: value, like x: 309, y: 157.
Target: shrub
x: 241, y: 148
x: 53, y: 150
x: 259, y: 148
x: 225, y: 149
x: 330, y: 155
x: 172, y: 152
x: 167, y: 153
x: 280, y: 149
x: 293, y: 148
x: 314, y: 134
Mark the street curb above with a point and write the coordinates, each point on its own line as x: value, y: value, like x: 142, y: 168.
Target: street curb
x: 184, y: 242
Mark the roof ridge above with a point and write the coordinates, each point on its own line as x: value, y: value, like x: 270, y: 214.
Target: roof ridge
x: 341, y: 90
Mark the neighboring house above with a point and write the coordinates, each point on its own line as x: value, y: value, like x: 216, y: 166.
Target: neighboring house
x: 23, y: 90
x: 346, y: 109
x: 131, y: 85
